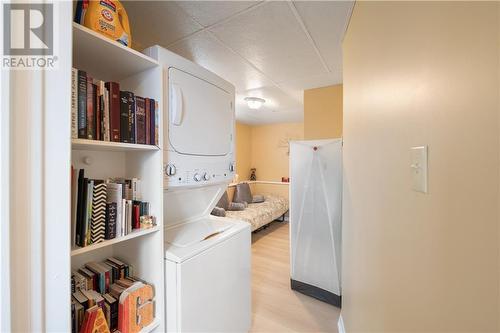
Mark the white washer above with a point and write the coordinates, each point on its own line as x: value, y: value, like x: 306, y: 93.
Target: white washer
x: 207, y: 266
x: 207, y: 259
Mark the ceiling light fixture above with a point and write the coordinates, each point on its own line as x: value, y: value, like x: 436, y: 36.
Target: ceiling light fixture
x: 254, y: 103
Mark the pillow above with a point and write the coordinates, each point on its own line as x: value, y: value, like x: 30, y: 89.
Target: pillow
x: 258, y: 198
x: 242, y: 193
x: 236, y: 206
x: 217, y: 211
x: 223, y: 201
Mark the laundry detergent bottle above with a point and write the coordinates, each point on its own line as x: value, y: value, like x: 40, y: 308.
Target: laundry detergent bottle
x: 108, y: 17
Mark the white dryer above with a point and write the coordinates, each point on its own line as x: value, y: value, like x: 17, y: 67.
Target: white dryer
x: 207, y: 259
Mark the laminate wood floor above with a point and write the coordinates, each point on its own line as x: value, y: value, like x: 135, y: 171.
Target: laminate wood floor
x: 275, y: 307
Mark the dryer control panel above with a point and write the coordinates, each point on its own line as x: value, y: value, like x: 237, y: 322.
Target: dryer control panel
x: 196, y: 170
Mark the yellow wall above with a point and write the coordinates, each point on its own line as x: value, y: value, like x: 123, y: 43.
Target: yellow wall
x: 243, y: 150
x: 270, y: 149
x: 323, y: 113
x: 421, y: 74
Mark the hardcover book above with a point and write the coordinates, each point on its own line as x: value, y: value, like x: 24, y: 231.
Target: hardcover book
x: 82, y: 104
x: 74, y: 103
x: 140, y: 114
x: 114, y: 110
x: 90, y: 109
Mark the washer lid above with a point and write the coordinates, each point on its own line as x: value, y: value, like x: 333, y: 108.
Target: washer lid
x: 191, y: 233
x: 184, y: 241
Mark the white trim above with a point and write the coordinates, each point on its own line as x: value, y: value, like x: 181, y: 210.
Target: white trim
x: 268, y: 182
x: 340, y: 325
x: 4, y: 199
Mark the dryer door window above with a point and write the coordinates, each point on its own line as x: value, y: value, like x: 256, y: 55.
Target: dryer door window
x: 200, y: 118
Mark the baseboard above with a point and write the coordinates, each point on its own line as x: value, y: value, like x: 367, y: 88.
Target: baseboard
x: 340, y: 324
x: 318, y: 293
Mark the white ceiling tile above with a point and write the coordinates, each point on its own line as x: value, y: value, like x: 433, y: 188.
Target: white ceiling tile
x: 206, y: 51
x: 326, y: 21
x: 158, y: 22
x: 272, y: 40
x: 279, y: 106
x: 210, y: 12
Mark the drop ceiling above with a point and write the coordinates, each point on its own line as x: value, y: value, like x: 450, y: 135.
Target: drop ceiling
x: 268, y: 49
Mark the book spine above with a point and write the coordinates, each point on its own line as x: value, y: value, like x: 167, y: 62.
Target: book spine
x: 157, y: 139
x: 98, y: 213
x: 136, y: 214
x: 147, y: 104
x: 74, y: 103
x: 88, y: 222
x: 110, y: 220
x: 140, y: 108
x: 80, y: 210
x: 82, y: 104
x: 153, y: 120
x: 90, y: 109
x: 132, y: 128
x: 114, y: 111
x: 97, y: 108
x: 106, y: 115
x: 124, y: 117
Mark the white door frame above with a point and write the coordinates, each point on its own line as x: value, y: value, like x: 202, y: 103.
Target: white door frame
x: 35, y: 146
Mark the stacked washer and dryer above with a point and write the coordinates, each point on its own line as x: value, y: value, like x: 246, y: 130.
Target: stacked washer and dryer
x: 207, y: 259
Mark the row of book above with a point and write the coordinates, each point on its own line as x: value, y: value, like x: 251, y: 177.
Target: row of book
x: 100, y: 111
x: 105, y: 285
x: 105, y: 209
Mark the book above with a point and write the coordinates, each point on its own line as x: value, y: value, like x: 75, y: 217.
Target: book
x: 74, y: 203
x: 156, y: 111
x: 153, y: 121
x: 81, y: 298
x: 112, y: 317
x: 90, y: 276
x: 127, y: 117
x: 81, y: 202
x: 140, y: 114
x: 105, y: 117
x: 123, y: 266
x: 88, y: 212
x: 114, y: 110
x: 136, y: 214
x: 80, y: 281
x: 97, y: 109
x: 103, y: 276
x: 114, y: 195
x: 90, y: 109
x: 74, y: 103
x: 79, y: 313
x: 82, y: 104
x: 98, y: 227
x: 110, y: 230
x: 147, y: 104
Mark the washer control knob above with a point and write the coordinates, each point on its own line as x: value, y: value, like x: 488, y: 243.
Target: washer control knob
x: 197, y: 177
x: 206, y: 176
x: 170, y: 169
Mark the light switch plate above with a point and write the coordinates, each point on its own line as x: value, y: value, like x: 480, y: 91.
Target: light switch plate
x: 419, y: 168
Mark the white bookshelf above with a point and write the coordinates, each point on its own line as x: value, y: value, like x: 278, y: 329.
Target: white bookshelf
x: 84, y: 144
x: 107, y: 60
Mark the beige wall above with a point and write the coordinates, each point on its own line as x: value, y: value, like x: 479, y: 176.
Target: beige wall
x: 416, y: 74
x: 323, y: 113
x: 270, y: 149
x: 243, y: 150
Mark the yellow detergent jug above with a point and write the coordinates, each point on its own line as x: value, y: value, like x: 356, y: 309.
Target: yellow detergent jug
x: 108, y: 17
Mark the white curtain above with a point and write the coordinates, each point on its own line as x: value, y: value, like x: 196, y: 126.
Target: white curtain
x: 315, y: 212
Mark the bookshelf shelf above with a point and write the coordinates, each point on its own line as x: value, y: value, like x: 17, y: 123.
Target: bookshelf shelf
x: 104, y: 57
x: 84, y: 144
x: 134, y: 234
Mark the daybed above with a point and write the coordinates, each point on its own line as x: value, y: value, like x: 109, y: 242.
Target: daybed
x: 261, y: 214
x: 258, y: 210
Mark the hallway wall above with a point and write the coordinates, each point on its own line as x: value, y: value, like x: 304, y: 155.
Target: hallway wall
x: 421, y: 74
x: 323, y: 113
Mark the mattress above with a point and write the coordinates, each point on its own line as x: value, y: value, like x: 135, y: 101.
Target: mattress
x: 260, y: 214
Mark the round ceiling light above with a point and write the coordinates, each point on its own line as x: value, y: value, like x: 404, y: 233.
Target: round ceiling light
x: 254, y: 103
